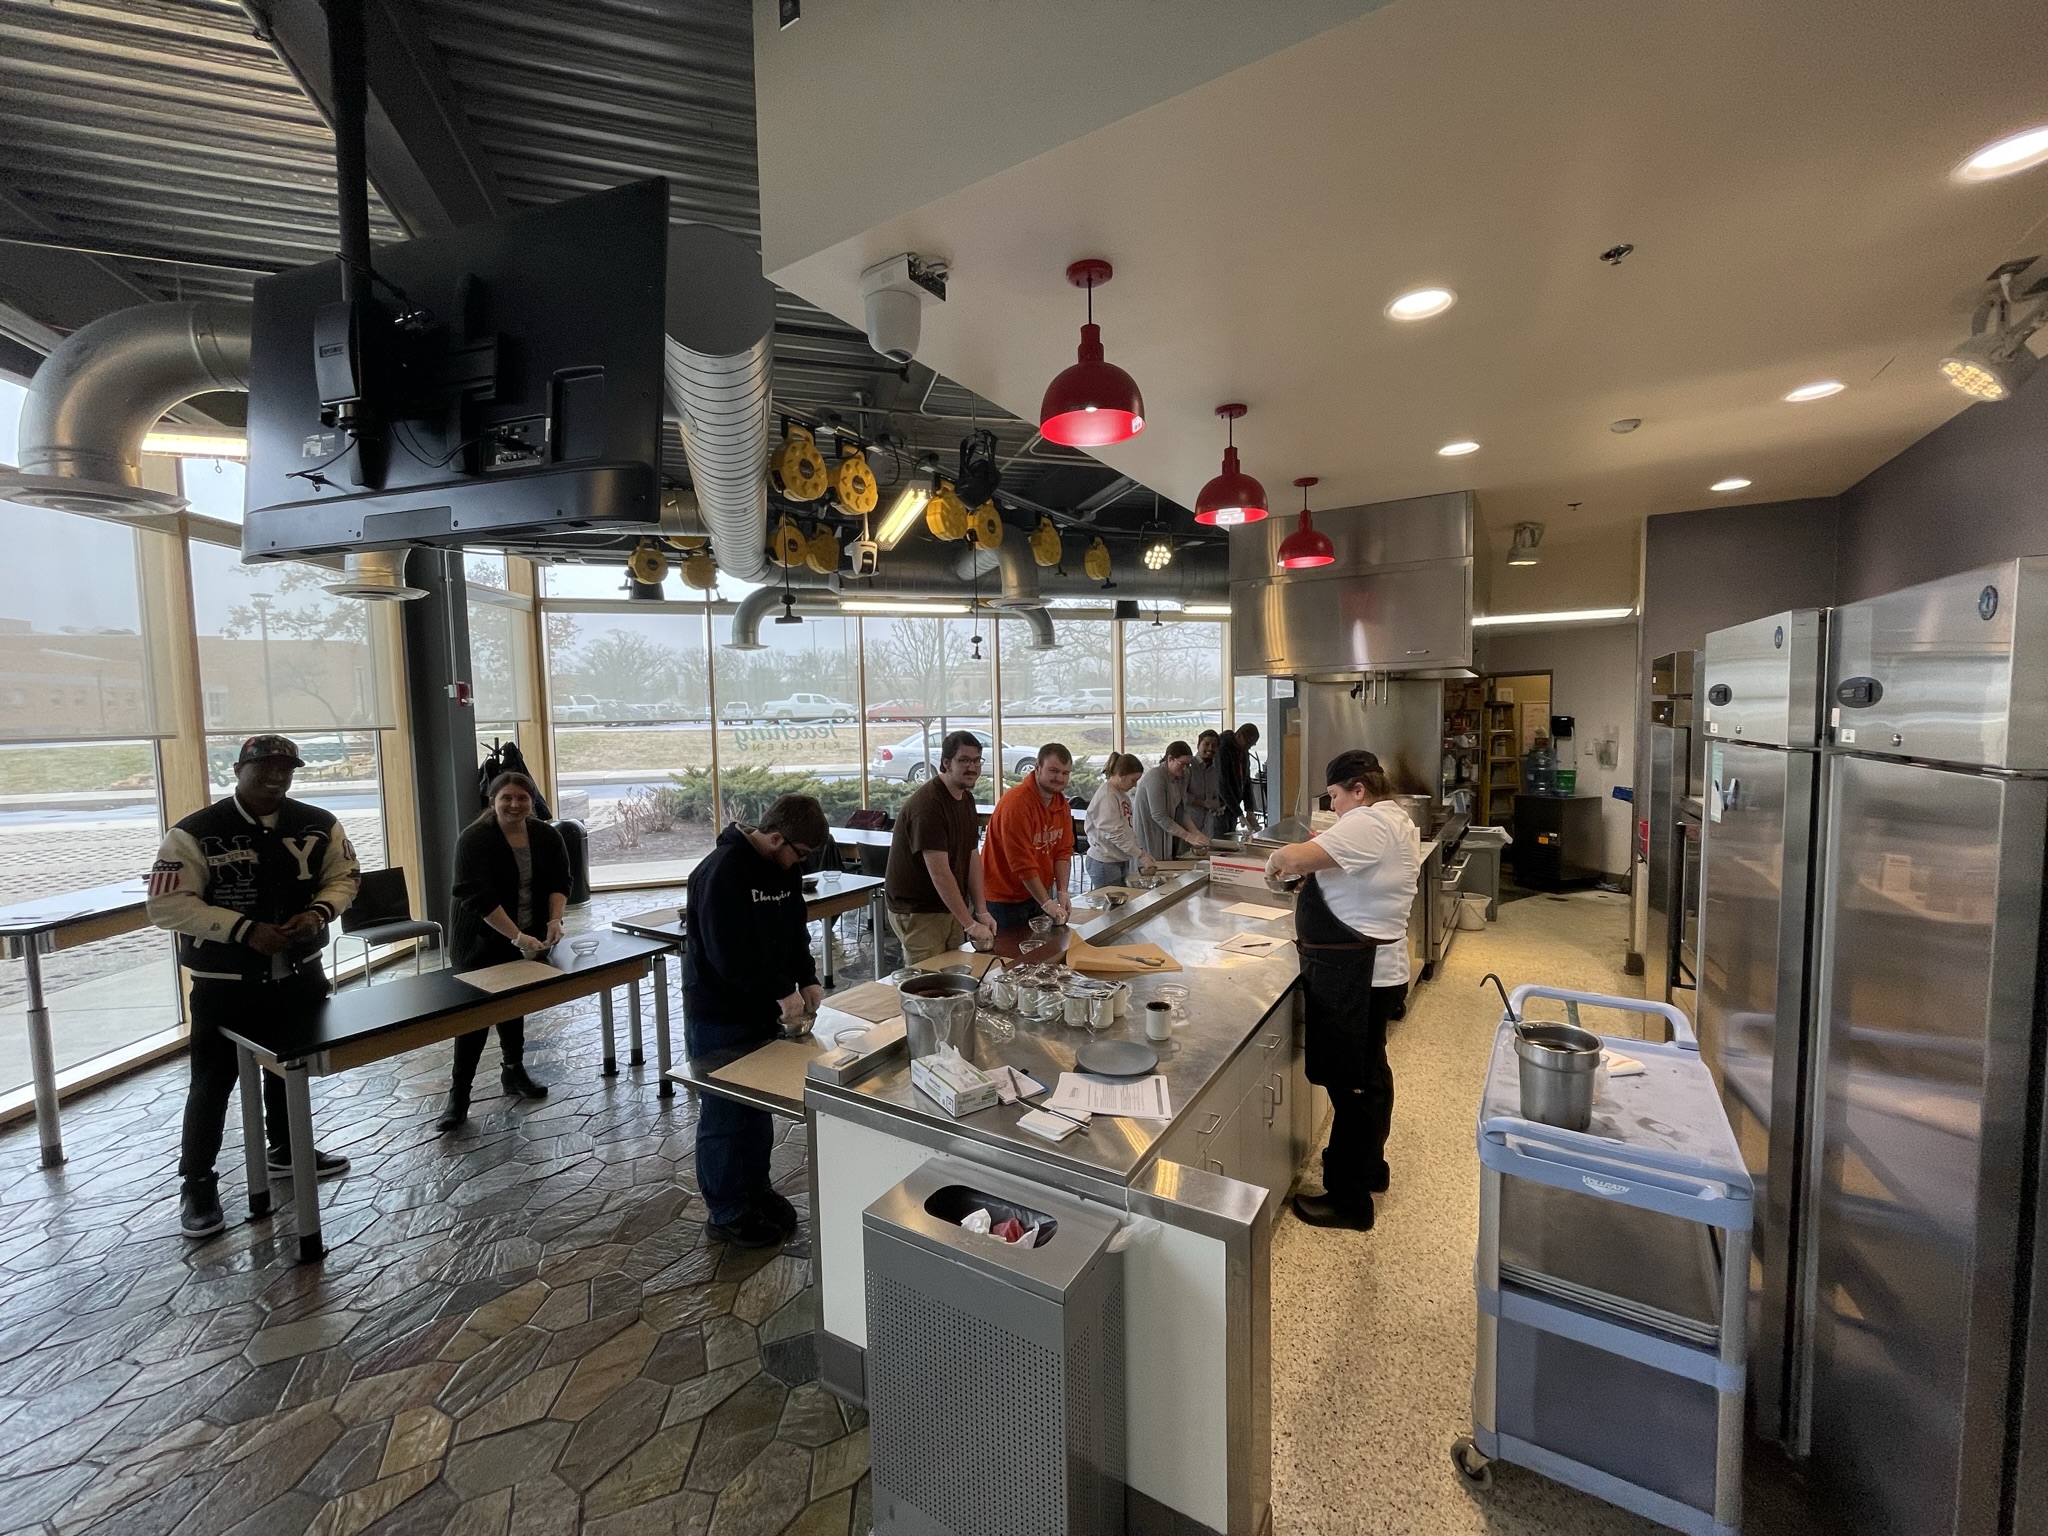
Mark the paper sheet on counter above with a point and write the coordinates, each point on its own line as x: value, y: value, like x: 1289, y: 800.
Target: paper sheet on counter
x: 1141, y: 1098
x: 1118, y: 959
x: 1253, y: 943
x: 871, y: 1000
x: 1253, y: 909
x: 512, y: 974
x: 776, y: 1068
x: 976, y: 961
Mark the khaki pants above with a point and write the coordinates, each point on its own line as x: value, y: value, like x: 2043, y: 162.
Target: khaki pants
x: 925, y: 934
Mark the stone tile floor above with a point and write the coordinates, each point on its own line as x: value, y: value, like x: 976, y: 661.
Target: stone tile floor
x: 520, y: 1330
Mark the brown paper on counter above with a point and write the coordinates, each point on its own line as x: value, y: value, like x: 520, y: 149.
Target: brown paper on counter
x: 976, y: 963
x: 1119, y: 959
x: 875, y: 1001
x: 777, y: 1067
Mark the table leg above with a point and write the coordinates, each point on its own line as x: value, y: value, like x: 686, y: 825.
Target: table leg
x: 42, y: 1056
x: 604, y: 1019
x: 633, y: 1017
x: 875, y: 929
x: 298, y: 1100
x: 253, y: 1144
x: 661, y: 1050
x: 827, y: 926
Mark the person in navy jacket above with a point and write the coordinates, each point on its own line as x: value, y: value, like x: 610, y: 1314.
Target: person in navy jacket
x: 747, y: 975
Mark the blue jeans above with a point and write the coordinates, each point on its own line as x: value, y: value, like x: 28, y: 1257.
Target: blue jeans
x: 1101, y: 874
x: 733, y: 1146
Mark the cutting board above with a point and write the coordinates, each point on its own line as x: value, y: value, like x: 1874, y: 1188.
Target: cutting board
x: 976, y: 963
x: 1119, y: 959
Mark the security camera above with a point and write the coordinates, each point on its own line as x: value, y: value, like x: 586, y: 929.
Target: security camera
x: 865, y: 554
x: 894, y: 293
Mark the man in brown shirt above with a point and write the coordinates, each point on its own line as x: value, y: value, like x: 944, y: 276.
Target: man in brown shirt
x: 934, y: 880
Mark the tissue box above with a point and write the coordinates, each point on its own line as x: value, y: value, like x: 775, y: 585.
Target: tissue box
x: 1237, y: 869
x: 956, y: 1084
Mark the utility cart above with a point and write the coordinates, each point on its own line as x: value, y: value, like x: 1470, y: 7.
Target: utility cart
x: 1612, y: 1283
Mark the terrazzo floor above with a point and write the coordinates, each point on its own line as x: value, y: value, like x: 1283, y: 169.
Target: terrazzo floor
x: 523, y: 1331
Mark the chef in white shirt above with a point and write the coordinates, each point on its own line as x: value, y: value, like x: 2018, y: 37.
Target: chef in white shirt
x: 1351, y: 926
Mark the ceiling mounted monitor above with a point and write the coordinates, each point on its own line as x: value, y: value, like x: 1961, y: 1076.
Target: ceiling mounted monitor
x: 502, y: 380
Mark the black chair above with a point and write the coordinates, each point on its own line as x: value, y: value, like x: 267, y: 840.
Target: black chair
x: 382, y: 914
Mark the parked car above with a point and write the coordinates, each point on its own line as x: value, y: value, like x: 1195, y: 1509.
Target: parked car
x: 897, y: 709
x: 809, y: 706
x: 1040, y: 704
x: 579, y: 706
x: 735, y: 710
x: 1091, y: 701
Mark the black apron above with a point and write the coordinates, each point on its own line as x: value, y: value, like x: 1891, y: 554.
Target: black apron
x: 1336, y: 981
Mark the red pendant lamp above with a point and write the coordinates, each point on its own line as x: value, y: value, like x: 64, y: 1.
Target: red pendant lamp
x: 1092, y: 403
x: 1233, y: 497
x: 1304, y: 549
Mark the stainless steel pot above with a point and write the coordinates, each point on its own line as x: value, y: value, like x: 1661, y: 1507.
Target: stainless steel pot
x: 938, y: 1009
x: 1556, y: 1063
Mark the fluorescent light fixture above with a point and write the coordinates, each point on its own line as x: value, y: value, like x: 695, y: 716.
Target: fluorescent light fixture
x: 1421, y: 304
x: 197, y: 445
x: 2008, y: 156
x: 902, y: 515
x: 1528, y: 541
x: 1206, y: 610
x: 1555, y: 616
x: 1820, y: 389
x: 1457, y: 450
x: 903, y: 609
x: 1732, y: 483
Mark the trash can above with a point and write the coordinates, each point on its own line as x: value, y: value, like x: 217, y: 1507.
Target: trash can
x: 1481, y: 852
x: 995, y: 1371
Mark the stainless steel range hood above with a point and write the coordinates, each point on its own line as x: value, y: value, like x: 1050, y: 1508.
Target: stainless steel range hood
x: 1398, y: 599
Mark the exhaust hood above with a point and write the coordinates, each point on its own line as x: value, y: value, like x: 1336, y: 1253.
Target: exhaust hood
x: 1397, y: 599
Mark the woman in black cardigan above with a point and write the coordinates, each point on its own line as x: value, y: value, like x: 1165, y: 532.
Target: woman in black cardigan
x: 511, y: 886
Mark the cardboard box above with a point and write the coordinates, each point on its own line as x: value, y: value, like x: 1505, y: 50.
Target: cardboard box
x: 955, y: 1084
x: 1240, y: 869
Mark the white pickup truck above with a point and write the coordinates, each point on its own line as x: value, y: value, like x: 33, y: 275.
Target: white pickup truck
x: 808, y: 706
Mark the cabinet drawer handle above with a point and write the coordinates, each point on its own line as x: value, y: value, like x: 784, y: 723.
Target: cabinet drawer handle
x: 1271, y: 1042
x: 1215, y: 1119
x: 1215, y: 1165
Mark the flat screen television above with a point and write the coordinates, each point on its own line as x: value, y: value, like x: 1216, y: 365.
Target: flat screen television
x: 504, y: 379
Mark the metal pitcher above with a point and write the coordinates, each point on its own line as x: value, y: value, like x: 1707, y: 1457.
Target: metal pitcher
x: 938, y: 1009
x: 1556, y: 1063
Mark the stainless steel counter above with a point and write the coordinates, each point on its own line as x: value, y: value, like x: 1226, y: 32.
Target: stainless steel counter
x: 1229, y: 996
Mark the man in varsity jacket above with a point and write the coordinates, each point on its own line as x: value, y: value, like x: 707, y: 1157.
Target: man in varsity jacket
x: 249, y: 885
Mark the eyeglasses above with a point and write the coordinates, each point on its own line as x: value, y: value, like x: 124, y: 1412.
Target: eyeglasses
x: 799, y: 850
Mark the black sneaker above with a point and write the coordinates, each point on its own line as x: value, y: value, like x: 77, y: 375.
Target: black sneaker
x: 520, y: 1084
x: 199, y: 1210
x: 753, y: 1230
x: 326, y: 1165
x: 1322, y: 1211
x: 780, y: 1211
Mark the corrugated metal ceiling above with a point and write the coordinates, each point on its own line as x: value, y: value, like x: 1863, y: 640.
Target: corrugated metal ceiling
x: 167, y: 125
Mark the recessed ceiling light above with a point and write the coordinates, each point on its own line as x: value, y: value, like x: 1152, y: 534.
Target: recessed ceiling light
x: 1820, y: 389
x: 1421, y: 303
x: 1732, y: 483
x: 1626, y: 424
x: 1457, y: 450
x: 2008, y: 156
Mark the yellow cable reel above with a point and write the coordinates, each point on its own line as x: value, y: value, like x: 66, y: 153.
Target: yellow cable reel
x: 1045, y: 543
x: 786, y: 543
x: 946, y: 514
x: 855, y: 484
x: 1096, y: 561
x: 648, y: 564
x: 822, y: 553
x: 700, y: 574
x: 797, y: 468
x: 985, y: 526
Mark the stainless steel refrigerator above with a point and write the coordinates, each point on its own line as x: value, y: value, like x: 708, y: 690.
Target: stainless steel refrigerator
x: 1675, y: 783
x: 1761, y: 713
x: 1927, y: 1397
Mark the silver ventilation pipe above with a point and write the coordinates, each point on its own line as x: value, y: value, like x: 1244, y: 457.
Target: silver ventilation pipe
x: 375, y: 576
x: 927, y: 568
x: 96, y: 397
x: 716, y: 355
x: 818, y: 601
x: 1013, y: 558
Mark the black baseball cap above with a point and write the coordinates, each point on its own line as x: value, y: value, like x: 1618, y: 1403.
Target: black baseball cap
x: 256, y: 748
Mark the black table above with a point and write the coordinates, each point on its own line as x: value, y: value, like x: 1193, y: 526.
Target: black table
x: 31, y: 929
x: 369, y: 1024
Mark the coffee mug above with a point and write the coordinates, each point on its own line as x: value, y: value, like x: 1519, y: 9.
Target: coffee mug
x: 1158, y: 1021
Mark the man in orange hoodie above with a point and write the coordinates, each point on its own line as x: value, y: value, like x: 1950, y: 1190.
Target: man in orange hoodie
x: 1030, y: 843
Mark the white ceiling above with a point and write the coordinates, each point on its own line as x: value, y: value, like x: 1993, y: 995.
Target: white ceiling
x: 1781, y: 167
